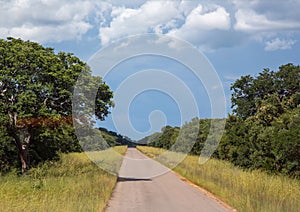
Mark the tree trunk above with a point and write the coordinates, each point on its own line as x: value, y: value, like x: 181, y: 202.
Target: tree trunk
x: 26, y: 155
x: 23, y: 151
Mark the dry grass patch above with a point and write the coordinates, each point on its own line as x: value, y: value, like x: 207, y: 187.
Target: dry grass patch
x: 244, y: 190
x: 74, y: 183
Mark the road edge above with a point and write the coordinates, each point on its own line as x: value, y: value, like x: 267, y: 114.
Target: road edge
x: 205, y: 191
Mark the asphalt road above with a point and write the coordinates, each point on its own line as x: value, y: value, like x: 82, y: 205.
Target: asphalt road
x: 138, y: 189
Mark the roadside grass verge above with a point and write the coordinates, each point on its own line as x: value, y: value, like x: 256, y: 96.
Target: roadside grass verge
x: 74, y: 183
x: 248, y: 191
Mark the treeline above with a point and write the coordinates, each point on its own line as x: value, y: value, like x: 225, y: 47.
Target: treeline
x: 263, y: 130
x: 36, y: 91
x: 101, y: 138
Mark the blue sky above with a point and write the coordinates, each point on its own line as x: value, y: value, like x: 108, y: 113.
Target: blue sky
x: 237, y: 37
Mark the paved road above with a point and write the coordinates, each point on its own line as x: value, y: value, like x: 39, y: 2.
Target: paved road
x: 136, y: 191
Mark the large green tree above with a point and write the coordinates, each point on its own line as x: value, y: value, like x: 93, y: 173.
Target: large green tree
x: 250, y: 93
x: 36, y: 86
x: 263, y: 132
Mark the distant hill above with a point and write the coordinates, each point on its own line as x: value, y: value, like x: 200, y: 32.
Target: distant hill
x: 115, y: 139
x: 164, y: 139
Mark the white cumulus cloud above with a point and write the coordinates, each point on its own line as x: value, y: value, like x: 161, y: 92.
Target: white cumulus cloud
x: 209, y: 25
x: 200, y: 19
x: 185, y: 20
x: 278, y: 44
x: 248, y: 20
x: 153, y: 16
x: 46, y: 20
x: 205, y: 27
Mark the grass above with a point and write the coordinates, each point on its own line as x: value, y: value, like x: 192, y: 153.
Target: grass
x: 248, y: 191
x: 74, y: 183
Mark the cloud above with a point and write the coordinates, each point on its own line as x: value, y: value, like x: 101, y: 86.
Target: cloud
x: 205, y: 27
x: 45, y: 34
x: 272, y: 10
x: 231, y: 77
x: 248, y: 21
x: 262, y: 20
x: 45, y: 21
x: 209, y: 25
x: 186, y: 20
x: 277, y: 44
x: 153, y: 16
x: 200, y: 19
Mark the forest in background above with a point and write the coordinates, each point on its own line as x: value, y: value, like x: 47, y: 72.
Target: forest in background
x: 263, y: 130
x: 36, y: 86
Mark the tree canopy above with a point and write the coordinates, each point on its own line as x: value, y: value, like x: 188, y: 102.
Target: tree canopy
x: 252, y: 95
x: 36, y: 88
x: 263, y: 130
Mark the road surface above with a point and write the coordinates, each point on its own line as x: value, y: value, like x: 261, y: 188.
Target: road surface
x: 138, y: 190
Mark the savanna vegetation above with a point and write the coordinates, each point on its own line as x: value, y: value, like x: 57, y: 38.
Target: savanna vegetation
x: 261, y: 133
x: 41, y: 164
x: 36, y: 90
x: 245, y: 190
x: 42, y: 167
x: 37, y: 116
x: 73, y: 183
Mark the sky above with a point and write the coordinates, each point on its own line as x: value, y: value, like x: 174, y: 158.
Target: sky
x: 233, y: 38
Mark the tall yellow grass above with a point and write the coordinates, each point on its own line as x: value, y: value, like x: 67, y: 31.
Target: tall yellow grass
x: 248, y: 191
x: 74, y: 183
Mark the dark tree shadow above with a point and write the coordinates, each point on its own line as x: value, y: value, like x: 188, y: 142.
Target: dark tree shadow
x: 128, y: 179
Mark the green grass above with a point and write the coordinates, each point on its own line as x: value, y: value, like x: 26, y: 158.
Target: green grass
x: 74, y: 183
x: 251, y: 191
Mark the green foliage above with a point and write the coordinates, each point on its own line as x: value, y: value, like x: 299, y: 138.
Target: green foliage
x: 115, y: 139
x: 167, y: 138
x: 262, y: 133
x: 149, y: 140
x: 36, y: 90
x: 267, y: 138
x: 282, y: 86
x: 181, y: 139
x: 8, y: 150
x: 273, y: 148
